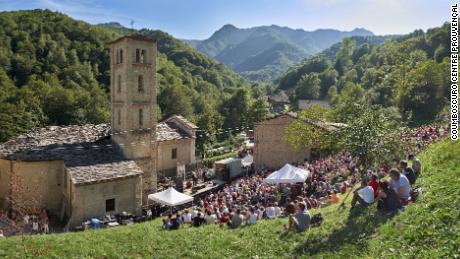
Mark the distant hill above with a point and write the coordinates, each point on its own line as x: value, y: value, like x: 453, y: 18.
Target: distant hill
x: 263, y: 53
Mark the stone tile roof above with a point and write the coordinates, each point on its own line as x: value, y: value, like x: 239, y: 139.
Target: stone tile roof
x: 183, y: 120
x: 169, y: 131
x: 88, y: 152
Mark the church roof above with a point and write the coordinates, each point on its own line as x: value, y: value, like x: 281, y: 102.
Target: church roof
x: 167, y: 131
x: 88, y: 152
x: 133, y: 37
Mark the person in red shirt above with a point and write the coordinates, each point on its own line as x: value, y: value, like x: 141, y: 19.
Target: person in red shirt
x: 374, y: 184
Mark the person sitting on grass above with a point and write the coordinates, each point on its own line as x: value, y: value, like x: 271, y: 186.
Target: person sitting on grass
x: 175, y: 222
x: 416, y: 165
x: 400, y: 185
x: 374, y: 184
x: 198, y: 220
x: 224, y: 219
x: 210, y: 218
x: 388, y: 200
x: 167, y: 222
x: 252, y: 219
x: 270, y: 212
x: 237, y: 219
x: 187, y: 217
x: 300, y: 221
x: 364, y: 195
x: 407, y: 171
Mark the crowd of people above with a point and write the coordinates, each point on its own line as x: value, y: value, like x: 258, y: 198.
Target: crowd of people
x: 249, y: 199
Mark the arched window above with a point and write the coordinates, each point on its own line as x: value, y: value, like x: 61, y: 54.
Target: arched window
x: 119, y: 84
x: 117, y: 60
x: 141, y: 117
x: 121, y: 55
x: 140, y: 84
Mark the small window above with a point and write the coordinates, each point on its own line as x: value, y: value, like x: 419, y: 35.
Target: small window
x: 117, y: 60
x: 119, y: 117
x: 141, y: 117
x: 121, y: 55
x: 119, y: 84
x: 143, y: 56
x: 109, y: 205
x: 138, y: 55
x: 174, y: 153
x: 140, y: 84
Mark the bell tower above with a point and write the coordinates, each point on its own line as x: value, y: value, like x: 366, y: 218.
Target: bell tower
x: 133, y: 98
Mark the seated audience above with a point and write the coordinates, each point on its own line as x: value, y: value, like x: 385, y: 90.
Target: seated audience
x: 237, y: 219
x: 210, y: 218
x: 198, y: 220
x: 187, y: 217
x: 175, y: 222
x: 400, y: 185
x: 388, y: 200
x: 364, y: 195
x: 416, y: 165
x: 407, y: 171
x: 252, y: 217
x: 301, y: 220
x: 374, y: 184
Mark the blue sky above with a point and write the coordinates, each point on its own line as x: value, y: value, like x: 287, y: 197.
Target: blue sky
x: 198, y: 19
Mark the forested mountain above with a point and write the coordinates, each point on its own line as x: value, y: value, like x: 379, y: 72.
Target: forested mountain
x: 55, y: 70
x: 408, y: 74
x: 262, y: 53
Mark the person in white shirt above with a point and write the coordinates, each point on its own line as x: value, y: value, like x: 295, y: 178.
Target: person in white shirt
x: 364, y: 195
x: 401, y: 185
x: 271, y: 213
x: 187, y: 217
x: 1, y: 234
x: 278, y: 211
x: 210, y: 218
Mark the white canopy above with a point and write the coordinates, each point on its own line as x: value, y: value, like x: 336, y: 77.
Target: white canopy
x: 247, y: 160
x: 170, y: 197
x: 288, y: 174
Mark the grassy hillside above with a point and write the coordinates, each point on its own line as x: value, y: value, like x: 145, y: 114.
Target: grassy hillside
x: 428, y: 228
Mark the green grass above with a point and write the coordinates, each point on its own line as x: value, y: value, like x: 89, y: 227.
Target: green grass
x: 429, y: 228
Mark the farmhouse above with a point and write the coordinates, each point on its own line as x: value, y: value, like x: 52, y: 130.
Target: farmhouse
x: 82, y: 171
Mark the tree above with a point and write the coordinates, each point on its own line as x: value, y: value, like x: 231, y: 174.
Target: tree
x: 371, y: 136
x: 310, y: 131
x: 209, y: 121
x: 260, y: 109
x: 308, y: 87
x: 237, y: 109
x: 173, y: 100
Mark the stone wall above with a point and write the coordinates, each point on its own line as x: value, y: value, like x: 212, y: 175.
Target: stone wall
x: 185, y: 153
x: 40, y: 183
x: 271, y: 149
x: 90, y: 200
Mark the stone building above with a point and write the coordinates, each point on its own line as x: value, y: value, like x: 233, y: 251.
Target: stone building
x: 79, y: 172
x: 271, y: 148
x: 175, y: 144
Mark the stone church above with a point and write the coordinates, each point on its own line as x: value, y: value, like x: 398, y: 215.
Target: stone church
x: 78, y: 172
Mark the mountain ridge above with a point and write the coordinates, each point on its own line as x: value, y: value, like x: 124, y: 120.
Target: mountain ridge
x: 238, y: 47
